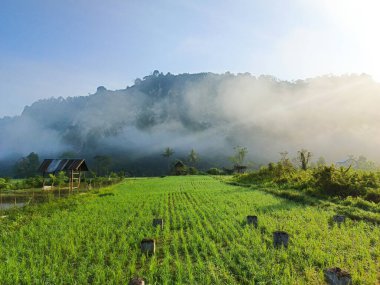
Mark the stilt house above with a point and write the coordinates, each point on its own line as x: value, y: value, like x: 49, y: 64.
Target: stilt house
x: 72, y: 167
x: 239, y: 168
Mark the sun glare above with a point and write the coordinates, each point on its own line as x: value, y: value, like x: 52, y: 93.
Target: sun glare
x: 359, y: 22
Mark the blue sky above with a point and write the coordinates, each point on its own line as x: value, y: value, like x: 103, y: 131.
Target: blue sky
x: 51, y: 48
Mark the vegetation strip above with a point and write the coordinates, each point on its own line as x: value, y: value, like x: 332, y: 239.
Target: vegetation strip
x: 353, y: 210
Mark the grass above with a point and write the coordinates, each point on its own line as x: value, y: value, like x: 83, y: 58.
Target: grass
x: 94, y: 238
x: 354, y: 207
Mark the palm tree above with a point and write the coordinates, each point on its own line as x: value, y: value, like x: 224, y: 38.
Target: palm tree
x: 168, y: 152
x: 193, y: 157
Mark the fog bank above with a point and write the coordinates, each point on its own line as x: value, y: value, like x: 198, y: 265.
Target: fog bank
x: 331, y: 116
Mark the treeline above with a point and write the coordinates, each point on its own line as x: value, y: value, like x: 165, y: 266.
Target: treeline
x: 60, y: 181
x: 28, y: 183
x: 320, y: 179
x: 355, y: 177
x: 26, y: 172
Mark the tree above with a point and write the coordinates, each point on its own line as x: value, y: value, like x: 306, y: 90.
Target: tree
x: 321, y: 162
x: 193, y: 157
x: 137, y: 81
x: 53, y: 178
x: 3, y: 184
x: 102, y: 163
x: 240, y: 154
x: 156, y: 73
x: 101, y: 89
x: 61, y: 178
x: 168, y: 152
x: 284, y: 165
x: 27, y: 166
x: 365, y: 164
x: 238, y: 159
x: 303, y: 158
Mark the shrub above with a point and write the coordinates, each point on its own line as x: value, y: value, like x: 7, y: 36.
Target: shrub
x: 192, y: 171
x: 215, y: 171
x: 3, y: 184
x: 340, y: 182
x: 33, y: 182
x: 373, y: 195
x: 323, y: 180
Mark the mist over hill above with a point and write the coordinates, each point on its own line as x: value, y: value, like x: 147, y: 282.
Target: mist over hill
x: 331, y: 116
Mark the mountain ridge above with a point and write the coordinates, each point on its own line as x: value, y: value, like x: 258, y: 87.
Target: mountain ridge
x: 209, y: 112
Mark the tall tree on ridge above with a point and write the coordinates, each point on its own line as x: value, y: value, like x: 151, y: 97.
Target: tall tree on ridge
x: 168, y: 152
x: 193, y: 157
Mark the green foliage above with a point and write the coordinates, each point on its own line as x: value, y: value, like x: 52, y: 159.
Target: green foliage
x: 61, y: 178
x: 342, y: 182
x: 121, y: 174
x: 27, y: 166
x: 101, y: 181
x: 53, y: 179
x: 193, y: 157
x: 95, y: 239
x: 179, y: 168
x: 281, y: 172
x: 113, y: 175
x: 28, y: 183
x: 3, y: 184
x: 215, y: 171
x: 373, y: 195
x: 33, y: 182
x: 324, y: 180
x: 102, y: 164
x: 353, y: 207
x: 168, y: 152
x: 360, y: 162
x: 365, y: 164
x: 192, y: 171
x: 239, y: 156
x: 321, y: 162
x: 361, y: 203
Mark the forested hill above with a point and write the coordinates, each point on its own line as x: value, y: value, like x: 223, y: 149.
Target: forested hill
x: 211, y: 113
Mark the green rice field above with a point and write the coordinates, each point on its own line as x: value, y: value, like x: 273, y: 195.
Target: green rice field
x: 95, y: 238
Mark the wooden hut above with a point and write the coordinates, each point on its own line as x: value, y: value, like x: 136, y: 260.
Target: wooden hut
x: 179, y: 168
x: 239, y: 168
x: 72, y: 167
